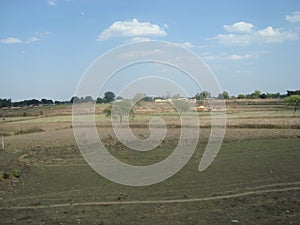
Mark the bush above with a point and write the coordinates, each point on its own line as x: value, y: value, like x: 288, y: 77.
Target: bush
x: 5, y: 175
x: 16, y: 173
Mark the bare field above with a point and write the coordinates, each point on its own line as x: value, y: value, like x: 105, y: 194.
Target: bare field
x: 255, y: 178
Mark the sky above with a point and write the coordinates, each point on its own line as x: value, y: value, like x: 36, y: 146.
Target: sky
x: 47, y: 45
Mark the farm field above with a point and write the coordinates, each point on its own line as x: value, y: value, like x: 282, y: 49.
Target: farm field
x: 255, y: 179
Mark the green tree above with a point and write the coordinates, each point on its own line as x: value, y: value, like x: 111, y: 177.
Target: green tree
x: 293, y: 100
x: 148, y: 99
x: 241, y: 96
x: 5, y: 102
x: 202, y: 95
x: 263, y: 96
x: 122, y: 109
x: 256, y: 94
x: 46, y: 101
x: 109, y: 96
x: 223, y: 95
x: 75, y: 99
x: 88, y: 99
x: 99, y: 100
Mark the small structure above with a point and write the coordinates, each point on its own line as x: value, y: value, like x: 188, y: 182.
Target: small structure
x: 202, y: 108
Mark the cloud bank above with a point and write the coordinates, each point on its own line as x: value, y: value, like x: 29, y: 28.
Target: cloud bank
x: 243, y: 33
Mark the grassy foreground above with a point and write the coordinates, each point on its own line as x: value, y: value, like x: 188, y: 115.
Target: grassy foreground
x: 255, y: 178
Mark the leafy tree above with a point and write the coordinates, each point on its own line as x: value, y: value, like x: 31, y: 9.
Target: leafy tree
x: 289, y: 93
x: 46, y: 101
x: 5, y: 102
x: 148, y: 99
x: 202, y: 95
x: 99, y: 100
x: 276, y: 95
x: 58, y: 102
x: 256, y: 94
x: 223, y: 95
x: 34, y: 102
x: 293, y: 100
x: 263, y: 96
x: 121, y: 109
x: 88, y: 99
x: 75, y: 99
x: 241, y: 96
x: 109, y: 96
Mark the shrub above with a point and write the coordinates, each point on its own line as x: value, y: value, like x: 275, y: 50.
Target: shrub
x: 16, y: 173
x: 5, y: 175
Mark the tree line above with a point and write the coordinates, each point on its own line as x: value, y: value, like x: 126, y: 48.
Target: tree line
x: 109, y: 96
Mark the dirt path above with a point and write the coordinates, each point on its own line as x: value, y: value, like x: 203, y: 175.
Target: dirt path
x: 248, y: 193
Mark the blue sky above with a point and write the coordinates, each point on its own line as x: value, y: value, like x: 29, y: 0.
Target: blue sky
x: 46, y: 45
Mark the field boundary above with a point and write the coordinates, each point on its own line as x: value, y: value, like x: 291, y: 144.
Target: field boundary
x: 107, y: 203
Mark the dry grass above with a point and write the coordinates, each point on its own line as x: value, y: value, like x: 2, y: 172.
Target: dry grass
x: 29, y: 131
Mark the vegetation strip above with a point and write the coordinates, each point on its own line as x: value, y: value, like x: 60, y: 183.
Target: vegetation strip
x: 154, y: 201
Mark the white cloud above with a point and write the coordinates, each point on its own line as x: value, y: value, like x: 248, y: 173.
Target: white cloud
x: 232, y: 57
x: 52, y: 2
x: 185, y: 44
x: 139, y: 39
x: 239, y: 27
x: 36, y: 37
x: 11, y: 40
x: 294, y: 17
x: 270, y: 34
x: 239, y: 57
x: 33, y: 39
x: 131, y: 28
x: 251, y: 36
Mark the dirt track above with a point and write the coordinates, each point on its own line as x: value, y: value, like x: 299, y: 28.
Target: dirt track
x: 248, y: 193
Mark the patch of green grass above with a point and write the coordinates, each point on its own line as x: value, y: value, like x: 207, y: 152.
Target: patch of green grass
x: 237, y: 167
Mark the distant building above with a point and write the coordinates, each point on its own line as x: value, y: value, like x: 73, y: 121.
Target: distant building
x: 202, y: 108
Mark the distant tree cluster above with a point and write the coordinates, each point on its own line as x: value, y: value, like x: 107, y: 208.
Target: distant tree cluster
x: 289, y: 93
x: 109, y: 97
x: 32, y: 102
x: 259, y: 95
x: 5, y: 102
x: 85, y: 99
x: 202, y: 95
